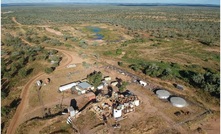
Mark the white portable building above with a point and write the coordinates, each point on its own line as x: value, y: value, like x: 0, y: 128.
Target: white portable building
x: 143, y: 83
x: 114, y: 83
x: 136, y: 102
x: 107, y: 78
x: 101, y: 86
x: 67, y: 86
x: 117, y: 113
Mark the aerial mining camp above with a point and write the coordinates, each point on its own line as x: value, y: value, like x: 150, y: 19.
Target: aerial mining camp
x: 110, y: 68
x: 110, y: 98
x: 105, y: 101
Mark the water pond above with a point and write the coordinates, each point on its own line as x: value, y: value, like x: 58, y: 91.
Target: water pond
x: 97, y: 31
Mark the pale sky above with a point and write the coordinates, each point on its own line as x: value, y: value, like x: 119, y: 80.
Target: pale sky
x: 217, y: 2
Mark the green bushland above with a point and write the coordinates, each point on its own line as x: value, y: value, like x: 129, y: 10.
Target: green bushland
x: 193, y: 23
x: 95, y: 78
x: 202, y: 78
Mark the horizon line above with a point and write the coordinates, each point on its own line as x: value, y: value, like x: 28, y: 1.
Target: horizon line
x: 110, y: 3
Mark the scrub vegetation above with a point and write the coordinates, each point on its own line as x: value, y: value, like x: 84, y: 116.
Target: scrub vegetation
x: 167, y: 43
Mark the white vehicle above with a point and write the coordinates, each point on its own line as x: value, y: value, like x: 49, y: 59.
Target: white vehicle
x: 143, y: 83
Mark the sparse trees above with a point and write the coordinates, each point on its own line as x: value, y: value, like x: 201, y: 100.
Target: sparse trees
x: 49, y: 70
x: 198, y: 79
x: 95, y: 78
x: 119, y: 51
x: 120, y: 63
x: 123, y: 86
x: 22, y: 72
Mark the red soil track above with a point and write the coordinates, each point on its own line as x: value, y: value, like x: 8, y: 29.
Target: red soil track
x: 18, y: 116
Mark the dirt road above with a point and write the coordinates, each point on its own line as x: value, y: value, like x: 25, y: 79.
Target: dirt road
x: 14, y: 20
x: 16, y: 120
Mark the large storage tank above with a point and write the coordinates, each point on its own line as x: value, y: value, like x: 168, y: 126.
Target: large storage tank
x: 163, y: 94
x: 178, y: 102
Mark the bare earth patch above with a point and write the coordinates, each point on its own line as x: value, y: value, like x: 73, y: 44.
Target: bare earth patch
x: 53, y: 31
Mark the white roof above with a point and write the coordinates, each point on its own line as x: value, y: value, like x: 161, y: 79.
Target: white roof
x: 163, y: 94
x: 70, y: 109
x: 100, y: 86
x: 84, y: 85
x: 178, y: 102
x: 117, y: 113
x: 67, y: 86
x: 142, y: 81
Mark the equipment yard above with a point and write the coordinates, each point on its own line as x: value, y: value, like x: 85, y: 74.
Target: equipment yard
x: 138, y: 104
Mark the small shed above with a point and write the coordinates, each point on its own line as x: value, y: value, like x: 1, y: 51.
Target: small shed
x: 117, y: 113
x: 107, y: 78
x: 143, y: 83
x: 136, y: 102
x: 39, y: 83
x: 114, y: 83
x: 101, y: 86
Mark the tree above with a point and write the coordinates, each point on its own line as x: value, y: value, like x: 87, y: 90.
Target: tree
x: 120, y: 63
x: 123, y: 86
x: 44, y: 38
x: 30, y: 59
x: 3, y: 94
x: 135, y: 67
x: 4, y: 110
x: 22, y: 72
x: 119, y: 51
x: 3, y: 66
x: 198, y: 79
x: 95, y: 78
x: 49, y: 70
x: 152, y: 70
x: 166, y: 72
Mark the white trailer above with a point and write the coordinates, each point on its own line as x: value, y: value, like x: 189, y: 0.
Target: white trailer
x: 67, y: 86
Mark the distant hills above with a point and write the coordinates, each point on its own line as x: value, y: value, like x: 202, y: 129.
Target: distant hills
x: 117, y: 4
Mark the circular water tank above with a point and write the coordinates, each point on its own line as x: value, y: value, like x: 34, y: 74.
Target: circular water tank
x: 178, y: 102
x: 163, y: 94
